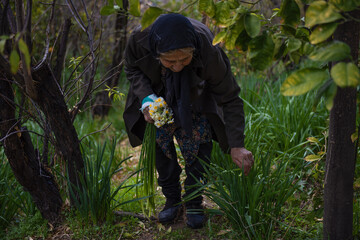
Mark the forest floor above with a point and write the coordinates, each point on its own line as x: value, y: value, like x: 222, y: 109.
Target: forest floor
x: 148, y: 229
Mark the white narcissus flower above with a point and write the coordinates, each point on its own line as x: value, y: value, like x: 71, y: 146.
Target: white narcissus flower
x: 160, y: 112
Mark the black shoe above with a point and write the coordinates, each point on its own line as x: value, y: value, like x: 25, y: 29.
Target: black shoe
x: 195, y: 218
x: 170, y: 212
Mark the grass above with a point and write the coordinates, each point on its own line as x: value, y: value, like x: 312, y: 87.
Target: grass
x: 280, y: 199
x: 96, y: 198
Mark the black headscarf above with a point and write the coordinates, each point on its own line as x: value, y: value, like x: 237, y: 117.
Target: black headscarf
x: 170, y: 32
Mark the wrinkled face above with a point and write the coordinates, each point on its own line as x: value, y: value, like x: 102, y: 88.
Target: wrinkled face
x: 176, y: 60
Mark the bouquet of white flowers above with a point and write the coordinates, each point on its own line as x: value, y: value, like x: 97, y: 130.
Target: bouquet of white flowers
x: 161, y: 114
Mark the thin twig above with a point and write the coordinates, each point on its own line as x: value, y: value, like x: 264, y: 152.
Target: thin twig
x: 47, y: 42
x: 76, y: 15
x: 95, y: 132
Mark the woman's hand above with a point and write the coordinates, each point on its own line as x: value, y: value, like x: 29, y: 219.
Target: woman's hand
x: 147, y: 115
x: 243, y: 158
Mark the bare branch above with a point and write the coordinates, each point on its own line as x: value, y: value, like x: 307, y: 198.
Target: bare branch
x: 29, y: 83
x: 47, y: 43
x: 76, y: 15
x: 95, y: 132
x: 89, y: 32
x: 62, y: 49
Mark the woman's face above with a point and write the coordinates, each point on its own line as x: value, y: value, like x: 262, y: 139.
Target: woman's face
x: 176, y: 60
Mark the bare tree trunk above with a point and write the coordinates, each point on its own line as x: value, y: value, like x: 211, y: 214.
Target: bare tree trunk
x: 52, y: 104
x: 102, y: 101
x: 25, y: 163
x: 341, y: 155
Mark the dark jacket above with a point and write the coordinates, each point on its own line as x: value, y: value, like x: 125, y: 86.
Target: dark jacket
x: 214, y: 90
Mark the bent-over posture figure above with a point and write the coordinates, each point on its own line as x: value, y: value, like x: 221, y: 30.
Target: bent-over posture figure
x: 174, y: 58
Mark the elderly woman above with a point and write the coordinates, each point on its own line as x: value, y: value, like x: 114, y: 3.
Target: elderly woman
x: 174, y: 58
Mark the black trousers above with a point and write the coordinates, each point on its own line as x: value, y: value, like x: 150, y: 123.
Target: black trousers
x: 169, y: 173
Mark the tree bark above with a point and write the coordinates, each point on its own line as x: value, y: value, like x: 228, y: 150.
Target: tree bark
x: 27, y: 167
x: 341, y: 155
x: 102, y: 103
x: 60, y: 60
x: 52, y: 104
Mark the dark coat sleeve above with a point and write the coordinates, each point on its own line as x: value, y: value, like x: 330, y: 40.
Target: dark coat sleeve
x: 140, y: 84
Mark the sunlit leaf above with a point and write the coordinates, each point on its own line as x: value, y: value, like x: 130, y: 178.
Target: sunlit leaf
x: 261, y: 51
x: 24, y: 49
x: 222, y: 13
x: 293, y: 44
x: 313, y: 140
x: 14, y: 61
x: 231, y: 38
x: 302, y: 81
x: 134, y: 7
x: 345, y: 5
x: 312, y: 158
x: 290, y: 12
x: 336, y: 51
x: 107, y: 10
x: 219, y: 37
x: 322, y: 32
x: 252, y: 25
x: 345, y: 74
x: 320, y: 12
x: 207, y: 7
x: 150, y: 16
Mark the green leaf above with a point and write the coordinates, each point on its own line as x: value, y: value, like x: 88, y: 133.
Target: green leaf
x: 330, y: 95
x: 243, y: 41
x: 261, y: 51
x: 2, y: 45
x: 14, y: 61
x: 233, y: 34
x: 134, y: 8
x: 345, y: 5
x: 207, y: 7
x: 24, y: 49
x: 336, y: 51
x: 219, y: 37
x: 233, y: 4
x: 222, y: 14
x: 252, y: 25
x: 290, y: 12
x: 320, y: 12
x: 307, y: 48
x: 302, y: 33
x: 293, y: 44
x: 150, y: 16
x: 322, y: 32
x: 107, y: 10
x: 302, y: 81
x: 345, y: 74
x: 313, y: 140
x: 312, y: 158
